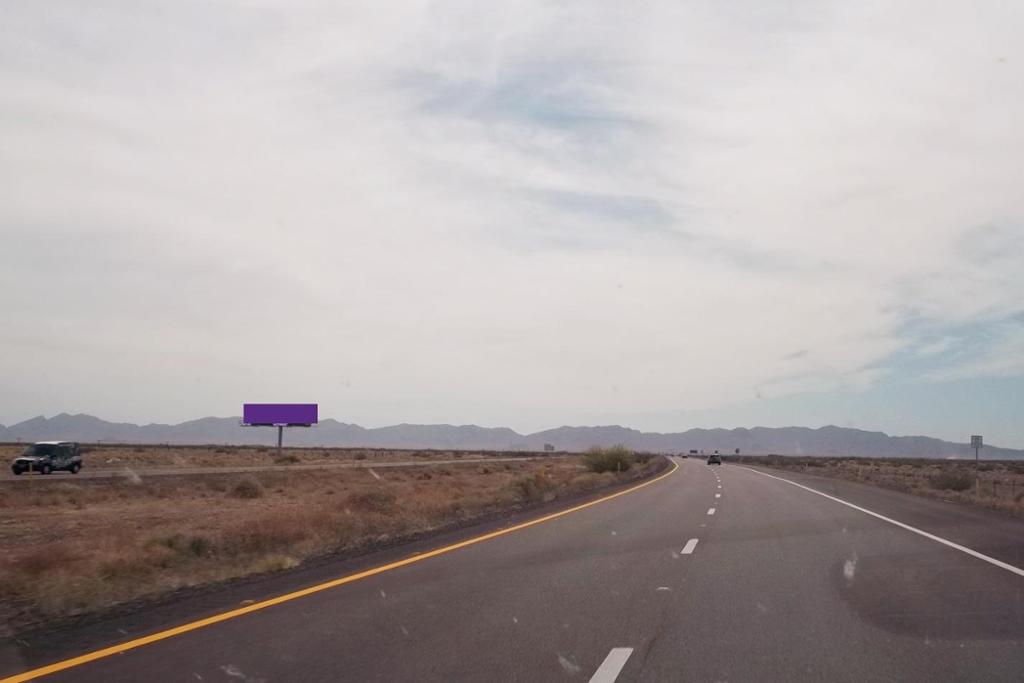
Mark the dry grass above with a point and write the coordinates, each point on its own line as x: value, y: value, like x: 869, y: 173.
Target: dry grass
x: 116, y: 457
x: 247, y: 487
x: 1000, y: 483
x: 76, y: 546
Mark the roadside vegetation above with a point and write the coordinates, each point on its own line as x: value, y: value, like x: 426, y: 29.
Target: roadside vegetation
x: 1000, y: 484
x: 76, y: 546
x: 121, y: 456
x: 612, y: 459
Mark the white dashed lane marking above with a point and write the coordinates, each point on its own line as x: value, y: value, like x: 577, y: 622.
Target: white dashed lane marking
x: 711, y: 511
x: 690, y: 545
x: 612, y: 665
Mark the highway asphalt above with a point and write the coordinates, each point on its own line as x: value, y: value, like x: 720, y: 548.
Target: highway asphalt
x: 710, y: 574
x: 123, y: 472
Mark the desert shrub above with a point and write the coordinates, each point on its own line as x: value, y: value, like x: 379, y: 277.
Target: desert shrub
x: 613, y: 459
x: 360, y: 456
x: 267, y: 535
x: 274, y: 563
x: 190, y: 545
x: 289, y: 459
x: 199, y: 546
x: 951, y: 480
x: 127, y: 565
x: 153, y: 489
x: 248, y: 488
x: 373, y: 501
x: 44, y: 560
x: 533, y: 487
x: 590, y: 480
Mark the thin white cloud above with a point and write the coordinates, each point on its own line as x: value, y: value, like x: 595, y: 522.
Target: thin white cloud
x: 1002, y: 357
x: 936, y: 347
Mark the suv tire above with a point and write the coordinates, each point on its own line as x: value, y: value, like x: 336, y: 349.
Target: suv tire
x: 74, y: 468
x: 46, y: 469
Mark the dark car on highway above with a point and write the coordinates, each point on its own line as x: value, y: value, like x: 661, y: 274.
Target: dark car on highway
x: 715, y: 459
x: 46, y: 457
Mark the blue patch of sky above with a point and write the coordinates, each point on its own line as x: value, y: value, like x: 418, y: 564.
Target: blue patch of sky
x: 950, y: 410
x: 596, y: 220
x: 910, y: 398
x: 552, y: 96
x: 570, y: 99
x: 993, y: 242
x: 934, y: 347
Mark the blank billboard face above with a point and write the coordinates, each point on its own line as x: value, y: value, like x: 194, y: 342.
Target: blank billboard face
x: 279, y: 413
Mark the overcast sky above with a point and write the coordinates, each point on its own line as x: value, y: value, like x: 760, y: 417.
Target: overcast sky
x: 663, y: 215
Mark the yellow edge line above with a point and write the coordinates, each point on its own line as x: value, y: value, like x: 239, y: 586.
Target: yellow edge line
x: 231, y: 614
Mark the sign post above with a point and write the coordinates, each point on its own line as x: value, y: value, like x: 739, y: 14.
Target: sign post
x: 976, y: 444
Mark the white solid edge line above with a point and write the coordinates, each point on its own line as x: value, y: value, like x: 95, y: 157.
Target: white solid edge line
x: 711, y: 511
x: 612, y: 665
x: 690, y: 545
x: 938, y: 539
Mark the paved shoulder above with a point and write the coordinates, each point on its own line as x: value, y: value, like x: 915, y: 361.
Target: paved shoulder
x: 987, y: 531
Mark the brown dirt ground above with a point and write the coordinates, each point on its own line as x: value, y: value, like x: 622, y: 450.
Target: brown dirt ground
x: 141, y: 456
x: 78, y: 546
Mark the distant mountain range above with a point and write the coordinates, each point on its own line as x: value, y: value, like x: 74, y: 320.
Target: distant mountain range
x: 759, y: 440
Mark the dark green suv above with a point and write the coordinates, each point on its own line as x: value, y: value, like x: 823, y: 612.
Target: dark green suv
x: 49, y: 456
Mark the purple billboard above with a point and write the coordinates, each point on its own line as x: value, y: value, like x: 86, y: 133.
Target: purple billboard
x: 279, y: 414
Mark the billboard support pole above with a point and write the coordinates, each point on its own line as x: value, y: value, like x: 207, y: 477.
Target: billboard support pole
x: 279, y: 415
